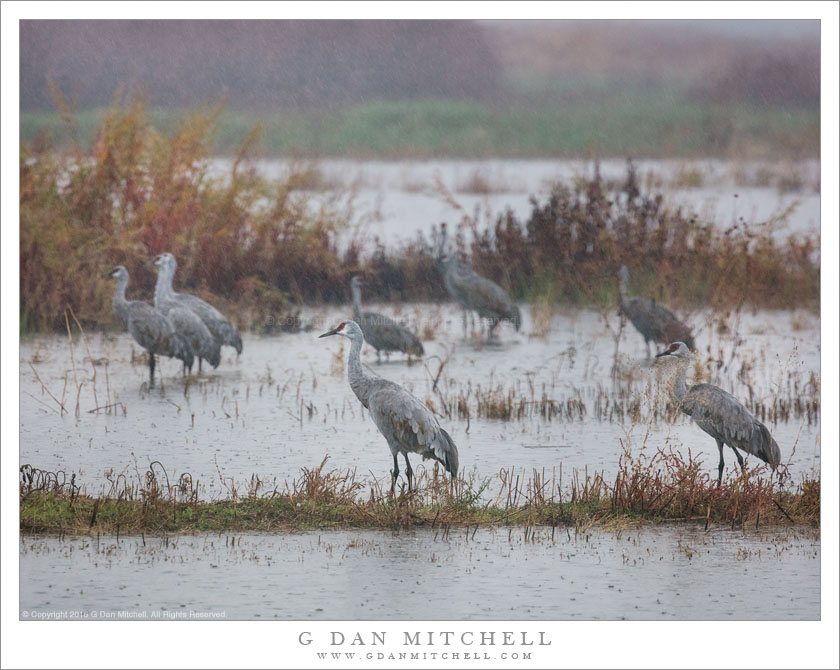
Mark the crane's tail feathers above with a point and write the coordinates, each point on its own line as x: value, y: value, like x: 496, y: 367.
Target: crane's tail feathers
x: 179, y: 348
x: 236, y: 342
x: 214, y: 357
x: 450, y: 455
x: 515, y: 317
x: 415, y: 348
x: 764, y: 446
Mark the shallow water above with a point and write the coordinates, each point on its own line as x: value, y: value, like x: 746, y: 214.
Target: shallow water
x: 393, y: 200
x: 665, y: 573
x: 252, y: 415
x: 285, y: 405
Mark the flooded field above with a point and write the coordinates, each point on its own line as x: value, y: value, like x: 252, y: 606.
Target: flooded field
x: 567, y: 396
x: 666, y: 573
x: 542, y: 399
x: 394, y: 200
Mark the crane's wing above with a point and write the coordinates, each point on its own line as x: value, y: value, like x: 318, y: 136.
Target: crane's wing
x: 724, y: 417
x: 189, y: 325
x: 642, y: 313
x: 385, y: 333
x: 712, y: 407
x: 148, y: 326
x: 402, y: 417
x: 486, y: 296
x: 673, y: 330
x: 215, y: 321
x: 656, y: 322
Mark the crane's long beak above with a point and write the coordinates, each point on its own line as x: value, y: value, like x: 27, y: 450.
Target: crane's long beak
x: 334, y: 331
x: 664, y: 353
x: 105, y: 275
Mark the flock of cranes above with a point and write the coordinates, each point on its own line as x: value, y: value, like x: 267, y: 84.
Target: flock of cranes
x: 185, y: 327
x: 179, y: 325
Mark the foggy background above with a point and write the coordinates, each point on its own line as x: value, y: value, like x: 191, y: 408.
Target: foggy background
x: 311, y: 65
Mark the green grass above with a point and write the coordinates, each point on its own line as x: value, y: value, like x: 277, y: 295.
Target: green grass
x: 664, y: 487
x: 657, y: 124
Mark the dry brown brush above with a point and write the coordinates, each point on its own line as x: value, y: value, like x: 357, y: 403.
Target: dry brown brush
x: 259, y: 249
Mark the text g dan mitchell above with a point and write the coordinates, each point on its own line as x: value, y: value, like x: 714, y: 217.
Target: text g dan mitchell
x: 430, y: 638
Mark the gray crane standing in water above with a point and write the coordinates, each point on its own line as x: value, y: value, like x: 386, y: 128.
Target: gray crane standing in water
x: 186, y: 322
x: 220, y: 328
x: 408, y: 425
x: 381, y: 332
x: 721, y: 415
x: 149, y: 327
x: 474, y: 292
x: 655, y: 323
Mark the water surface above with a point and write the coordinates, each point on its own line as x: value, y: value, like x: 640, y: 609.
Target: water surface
x: 666, y: 573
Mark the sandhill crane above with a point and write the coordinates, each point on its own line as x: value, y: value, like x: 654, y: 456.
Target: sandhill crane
x: 721, y: 415
x: 381, y: 332
x: 655, y: 323
x: 187, y: 323
x: 474, y: 292
x: 150, y: 328
x: 408, y: 425
x: 221, y: 329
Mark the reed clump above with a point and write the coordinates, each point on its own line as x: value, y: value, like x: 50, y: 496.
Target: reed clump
x: 249, y: 246
x: 572, y: 245
x: 662, y: 488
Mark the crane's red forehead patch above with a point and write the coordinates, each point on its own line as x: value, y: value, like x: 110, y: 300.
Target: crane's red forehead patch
x: 340, y: 325
x: 675, y: 346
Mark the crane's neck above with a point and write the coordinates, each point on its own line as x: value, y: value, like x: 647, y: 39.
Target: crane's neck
x: 163, y: 287
x: 442, y: 245
x: 359, y: 381
x: 454, y: 267
x: 120, y: 303
x: 679, y: 386
x: 622, y: 290
x: 356, y: 290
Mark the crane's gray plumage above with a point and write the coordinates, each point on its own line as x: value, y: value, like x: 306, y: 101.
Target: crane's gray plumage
x: 221, y: 329
x: 655, y: 323
x: 382, y: 332
x: 186, y: 322
x: 407, y: 424
x: 474, y: 292
x: 721, y: 415
x: 198, y: 336
x: 150, y: 328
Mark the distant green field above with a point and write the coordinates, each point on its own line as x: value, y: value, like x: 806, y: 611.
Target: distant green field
x: 659, y: 126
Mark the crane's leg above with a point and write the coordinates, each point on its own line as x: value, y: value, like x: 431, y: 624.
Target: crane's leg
x: 491, y: 326
x: 720, y: 465
x: 408, y: 470
x: 647, y: 346
x: 395, y: 473
x: 464, y: 321
x: 199, y: 365
x: 151, y: 369
x: 378, y: 357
